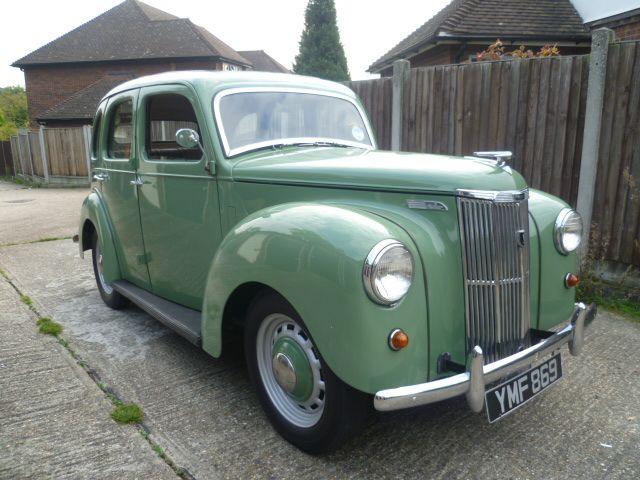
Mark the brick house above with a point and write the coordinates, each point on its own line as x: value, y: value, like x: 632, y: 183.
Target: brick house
x: 464, y: 28
x: 66, y: 78
x: 621, y: 16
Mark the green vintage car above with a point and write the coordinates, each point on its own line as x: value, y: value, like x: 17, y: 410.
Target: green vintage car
x: 254, y: 202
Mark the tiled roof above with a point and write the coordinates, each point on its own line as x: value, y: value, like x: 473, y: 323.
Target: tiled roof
x: 83, y: 104
x: 263, y: 62
x: 132, y: 30
x: 548, y: 20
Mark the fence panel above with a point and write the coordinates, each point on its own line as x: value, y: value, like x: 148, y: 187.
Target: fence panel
x: 616, y: 216
x: 6, y: 159
x: 535, y: 108
x: 36, y: 155
x: 376, y: 97
x: 15, y: 155
x: 66, y: 152
x: 24, y: 154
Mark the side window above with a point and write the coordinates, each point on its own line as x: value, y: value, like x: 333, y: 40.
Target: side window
x: 166, y: 114
x: 95, y: 135
x: 120, y: 130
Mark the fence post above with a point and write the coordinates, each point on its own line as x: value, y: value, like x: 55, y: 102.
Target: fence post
x: 43, y: 154
x: 400, y: 74
x: 86, y: 134
x: 600, y: 40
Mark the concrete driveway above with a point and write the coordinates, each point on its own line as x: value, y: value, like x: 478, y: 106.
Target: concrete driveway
x: 28, y: 214
x: 203, y: 413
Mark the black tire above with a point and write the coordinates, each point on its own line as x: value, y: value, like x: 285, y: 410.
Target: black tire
x: 111, y: 298
x: 345, y: 409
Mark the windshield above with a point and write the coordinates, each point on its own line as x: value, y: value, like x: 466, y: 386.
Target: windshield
x: 250, y: 120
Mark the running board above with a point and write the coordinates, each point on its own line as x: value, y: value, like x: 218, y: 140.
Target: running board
x: 184, y: 321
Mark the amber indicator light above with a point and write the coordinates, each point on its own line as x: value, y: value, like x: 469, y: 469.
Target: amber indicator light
x: 398, y: 339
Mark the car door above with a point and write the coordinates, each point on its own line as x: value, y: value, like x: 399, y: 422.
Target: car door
x: 178, y: 197
x: 116, y: 175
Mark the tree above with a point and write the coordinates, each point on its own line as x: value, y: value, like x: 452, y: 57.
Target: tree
x: 13, y: 111
x: 321, y: 53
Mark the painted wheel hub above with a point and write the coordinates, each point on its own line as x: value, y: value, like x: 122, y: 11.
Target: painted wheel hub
x: 291, y: 369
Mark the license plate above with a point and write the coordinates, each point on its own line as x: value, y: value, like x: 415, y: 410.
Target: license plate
x: 517, y: 391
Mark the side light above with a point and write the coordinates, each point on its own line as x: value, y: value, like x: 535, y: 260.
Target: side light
x: 571, y: 280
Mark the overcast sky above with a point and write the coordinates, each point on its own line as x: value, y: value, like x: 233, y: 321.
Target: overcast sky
x: 368, y: 28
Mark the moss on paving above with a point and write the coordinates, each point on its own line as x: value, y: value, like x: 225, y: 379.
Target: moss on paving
x: 127, y: 413
x: 49, y: 327
x: 26, y: 299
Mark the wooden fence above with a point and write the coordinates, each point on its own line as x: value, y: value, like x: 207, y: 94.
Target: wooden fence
x: 616, y: 214
x: 6, y: 159
x: 376, y: 96
x: 536, y: 109
x: 57, y: 156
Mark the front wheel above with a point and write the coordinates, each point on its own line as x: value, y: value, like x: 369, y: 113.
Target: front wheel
x: 304, y: 400
x: 112, y: 298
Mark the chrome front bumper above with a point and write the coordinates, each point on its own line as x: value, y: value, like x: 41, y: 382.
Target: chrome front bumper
x: 472, y: 382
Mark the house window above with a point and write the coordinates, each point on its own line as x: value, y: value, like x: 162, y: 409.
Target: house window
x: 166, y: 114
x: 120, y: 130
x: 227, y: 67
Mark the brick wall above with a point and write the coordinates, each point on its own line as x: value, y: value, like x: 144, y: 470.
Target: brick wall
x: 629, y: 31
x: 48, y: 85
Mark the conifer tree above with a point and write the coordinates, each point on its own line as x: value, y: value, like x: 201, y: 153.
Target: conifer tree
x: 321, y: 53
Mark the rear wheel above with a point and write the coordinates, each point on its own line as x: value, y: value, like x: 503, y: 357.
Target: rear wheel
x: 112, y: 298
x: 304, y: 400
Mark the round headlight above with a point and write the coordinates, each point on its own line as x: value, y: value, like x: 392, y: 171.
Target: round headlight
x: 388, y: 272
x: 568, y: 231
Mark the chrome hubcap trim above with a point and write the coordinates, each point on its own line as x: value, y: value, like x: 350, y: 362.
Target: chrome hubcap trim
x: 303, y: 414
x: 284, y: 372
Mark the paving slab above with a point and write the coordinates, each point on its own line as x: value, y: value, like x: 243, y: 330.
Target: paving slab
x: 203, y: 412
x: 54, y: 420
x: 29, y: 214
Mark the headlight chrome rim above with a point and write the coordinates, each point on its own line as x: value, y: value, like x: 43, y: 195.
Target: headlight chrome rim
x: 370, y: 264
x: 559, y: 231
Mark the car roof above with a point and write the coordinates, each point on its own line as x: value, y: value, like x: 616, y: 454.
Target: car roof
x: 218, y: 80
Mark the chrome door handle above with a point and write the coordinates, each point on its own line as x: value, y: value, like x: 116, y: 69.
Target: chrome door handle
x: 101, y: 177
x: 137, y: 182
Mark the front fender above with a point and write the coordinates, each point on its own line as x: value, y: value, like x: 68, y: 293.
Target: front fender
x: 93, y: 211
x: 313, y: 255
x: 555, y: 302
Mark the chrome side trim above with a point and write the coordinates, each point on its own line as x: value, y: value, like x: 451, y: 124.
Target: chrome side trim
x: 472, y: 383
x: 426, y: 205
x: 236, y: 151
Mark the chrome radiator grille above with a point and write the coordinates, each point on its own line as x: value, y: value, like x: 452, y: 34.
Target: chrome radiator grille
x: 494, y: 230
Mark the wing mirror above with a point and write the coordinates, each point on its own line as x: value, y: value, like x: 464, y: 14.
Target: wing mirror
x: 188, y: 138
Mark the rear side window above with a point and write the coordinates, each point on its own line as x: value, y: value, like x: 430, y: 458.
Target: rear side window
x: 166, y: 114
x: 120, y: 130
